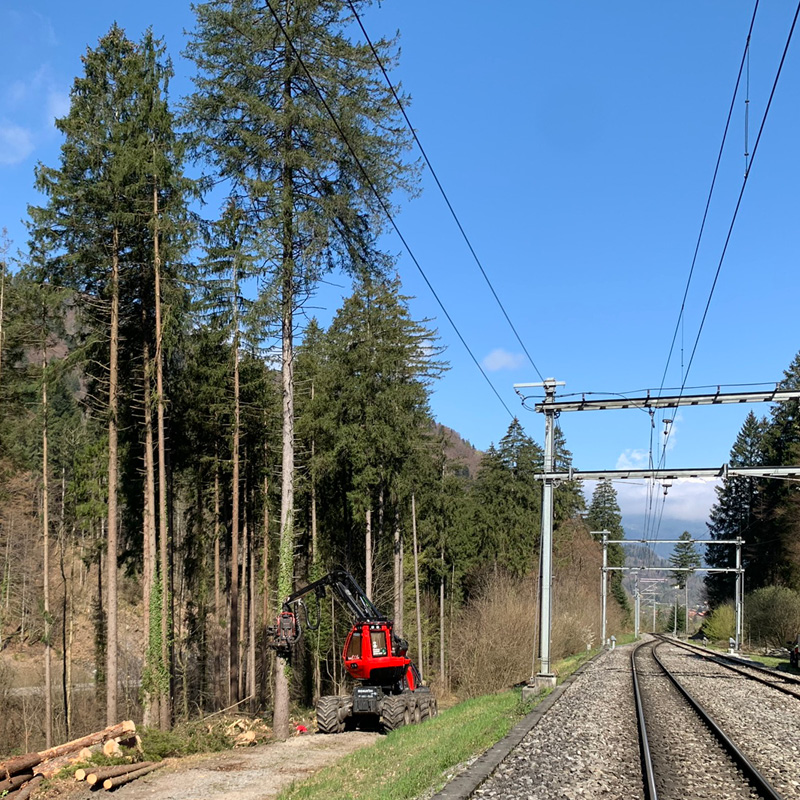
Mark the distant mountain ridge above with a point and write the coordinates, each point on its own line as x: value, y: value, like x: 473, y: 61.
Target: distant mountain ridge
x: 459, y: 450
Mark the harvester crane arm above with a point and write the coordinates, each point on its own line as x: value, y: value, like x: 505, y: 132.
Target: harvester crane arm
x: 346, y: 589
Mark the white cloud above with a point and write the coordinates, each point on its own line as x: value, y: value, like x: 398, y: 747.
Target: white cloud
x: 16, y: 144
x: 633, y: 459
x: 688, y: 499
x: 501, y: 359
x: 46, y: 29
x: 57, y: 105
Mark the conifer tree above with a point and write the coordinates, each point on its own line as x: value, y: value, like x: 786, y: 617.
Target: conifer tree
x: 779, y: 562
x: 605, y: 515
x: 83, y: 234
x: 737, y: 512
x: 114, y: 216
x: 507, y: 501
x: 259, y: 122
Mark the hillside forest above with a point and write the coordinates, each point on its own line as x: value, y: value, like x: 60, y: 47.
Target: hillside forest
x: 183, y: 444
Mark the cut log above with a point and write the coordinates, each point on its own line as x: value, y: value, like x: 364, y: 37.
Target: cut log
x: 80, y: 774
x: 112, y: 783
x: 53, y: 766
x: 13, y: 766
x: 9, y: 784
x: 101, y: 773
x: 111, y: 749
x: 24, y: 792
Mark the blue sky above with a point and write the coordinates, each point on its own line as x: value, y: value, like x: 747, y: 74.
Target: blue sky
x: 576, y: 141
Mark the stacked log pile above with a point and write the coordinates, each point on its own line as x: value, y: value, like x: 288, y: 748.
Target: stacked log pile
x: 20, y: 775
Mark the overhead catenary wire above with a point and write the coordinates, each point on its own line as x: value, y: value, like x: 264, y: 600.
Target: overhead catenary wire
x: 709, y: 197
x: 679, y: 324
x: 384, y: 206
x: 735, y: 214
x: 737, y: 207
x: 411, y: 128
x: 744, y: 185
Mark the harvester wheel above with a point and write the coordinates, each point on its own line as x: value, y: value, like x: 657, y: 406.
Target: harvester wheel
x: 394, y: 712
x: 425, y: 708
x: 328, y: 715
x: 417, y: 715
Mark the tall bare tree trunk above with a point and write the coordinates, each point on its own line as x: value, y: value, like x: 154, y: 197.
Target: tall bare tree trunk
x: 217, y: 606
x: 286, y: 554
x: 251, y: 627
x: 151, y: 711
x: 62, y: 546
x: 314, y: 554
x: 163, y: 532
x: 442, y: 679
x: 398, y: 573
x: 233, y: 694
x: 416, y: 584
x: 242, y: 618
x: 368, y: 554
x: 48, y: 647
x: 265, y: 585
x: 280, y: 722
x: 113, y: 465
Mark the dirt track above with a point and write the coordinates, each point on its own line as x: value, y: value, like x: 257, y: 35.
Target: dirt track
x: 258, y: 773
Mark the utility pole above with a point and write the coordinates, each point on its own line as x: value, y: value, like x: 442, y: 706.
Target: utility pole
x: 686, y: 600
x: 603, y: 585
x: 675, y: 619
x: 739, y: 604
x: 636, y: 608
x: 545, y: 679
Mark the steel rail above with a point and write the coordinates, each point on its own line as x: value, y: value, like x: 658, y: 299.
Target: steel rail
x: 731, y: 664
x: 760, y: 783
x: 650, y: 791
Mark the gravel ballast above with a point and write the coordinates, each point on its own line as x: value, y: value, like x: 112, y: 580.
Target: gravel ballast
x: 764, y: 723
x: 586, y: 745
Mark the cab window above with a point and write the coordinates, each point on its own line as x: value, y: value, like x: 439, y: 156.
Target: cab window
x: 378, y: 642
x: 354, y: 646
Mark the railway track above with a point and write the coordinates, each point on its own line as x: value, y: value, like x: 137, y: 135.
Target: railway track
x: 675, y: 730
x: 782, y: 682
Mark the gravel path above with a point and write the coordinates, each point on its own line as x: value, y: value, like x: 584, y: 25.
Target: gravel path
x: 763, y: 722
x: 586, y: 746
x: 258, y: 773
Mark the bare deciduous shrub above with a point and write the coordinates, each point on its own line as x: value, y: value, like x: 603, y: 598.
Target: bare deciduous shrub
x: 772, y: 615
x: 494, y: 645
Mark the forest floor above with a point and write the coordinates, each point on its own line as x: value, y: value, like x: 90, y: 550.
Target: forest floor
x: 257, y: 773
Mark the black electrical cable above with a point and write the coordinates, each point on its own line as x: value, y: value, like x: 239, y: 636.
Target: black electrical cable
x: 736, y: 209
x: 710, y: 193
x: 744, y: 184
x: 738, y: 203
x: 441, y: 188
x: 382, y: 202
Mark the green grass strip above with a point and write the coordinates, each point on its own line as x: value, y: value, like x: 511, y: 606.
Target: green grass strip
x: 411, y: 760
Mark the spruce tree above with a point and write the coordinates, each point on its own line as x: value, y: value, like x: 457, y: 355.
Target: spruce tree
x: 779, y: 563
x: 737, y: 513
x: 259, y: 122
x: 83, y: 235
x: 605, y: 515
x: 507, y: 502
x: 113, y: 230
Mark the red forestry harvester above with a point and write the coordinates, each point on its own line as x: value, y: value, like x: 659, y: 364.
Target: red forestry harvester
x: 388, y: 684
